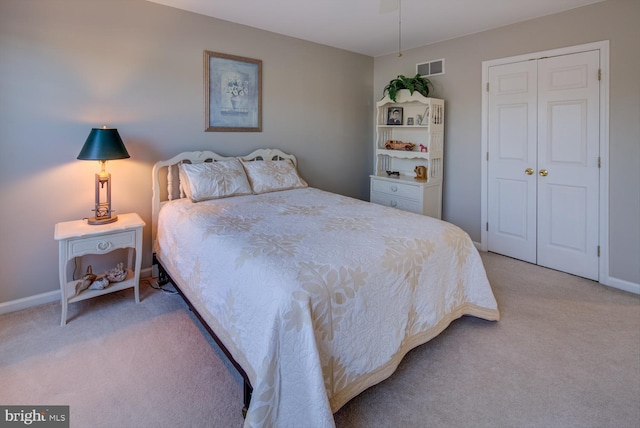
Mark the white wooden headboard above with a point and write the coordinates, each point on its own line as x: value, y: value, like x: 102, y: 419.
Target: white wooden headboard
x: 166, y: 180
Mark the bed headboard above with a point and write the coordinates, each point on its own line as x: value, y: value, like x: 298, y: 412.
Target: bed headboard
x: 166, y: 180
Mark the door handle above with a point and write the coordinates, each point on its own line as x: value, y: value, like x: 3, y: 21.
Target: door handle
x: 543, y: 172
x: 528, y: 171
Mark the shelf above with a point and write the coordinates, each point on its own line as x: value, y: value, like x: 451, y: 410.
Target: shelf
x: 405, y: 126
x: 409, y: 179
x: 128, y: 282
x: 403, y: 154
x: 426, y: 132
x: 403, y: 96
x: 402, y: 178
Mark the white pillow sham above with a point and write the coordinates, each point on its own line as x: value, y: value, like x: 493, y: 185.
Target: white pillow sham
x: 272, y: 176
x: 213, y: 180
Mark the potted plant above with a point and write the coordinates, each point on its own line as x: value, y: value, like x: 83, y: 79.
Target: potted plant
x: 415, y: 83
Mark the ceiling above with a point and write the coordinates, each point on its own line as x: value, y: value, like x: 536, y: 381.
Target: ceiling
x: 370, y: 27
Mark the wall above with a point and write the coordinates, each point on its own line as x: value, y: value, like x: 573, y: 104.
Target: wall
x: 69, y: 65
x: 461, y: 87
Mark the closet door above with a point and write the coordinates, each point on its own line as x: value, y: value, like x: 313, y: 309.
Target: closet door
x: 512, y: 164
x: 543, y: 174
x: 568, y: 153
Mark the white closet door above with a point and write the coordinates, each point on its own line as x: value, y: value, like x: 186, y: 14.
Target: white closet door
x: 512, y: 169
x: 568, y: 173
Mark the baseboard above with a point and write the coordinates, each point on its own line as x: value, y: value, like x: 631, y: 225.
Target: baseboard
x: 146, y: 272
x: 48, y: 297
x: 28, y: 302
x: 621, y: 284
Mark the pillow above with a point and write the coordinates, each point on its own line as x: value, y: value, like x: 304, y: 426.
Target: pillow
x: 272, y: 176
x: 213, y: 180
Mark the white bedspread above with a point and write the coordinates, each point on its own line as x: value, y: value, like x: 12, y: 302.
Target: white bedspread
x: 319, y: 296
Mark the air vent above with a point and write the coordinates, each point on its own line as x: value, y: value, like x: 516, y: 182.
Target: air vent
x: 430, y: 68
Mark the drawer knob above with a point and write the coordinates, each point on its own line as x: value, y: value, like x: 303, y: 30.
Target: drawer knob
x: 104, y: 245
x: 394, y: 204
x: 394, y: 188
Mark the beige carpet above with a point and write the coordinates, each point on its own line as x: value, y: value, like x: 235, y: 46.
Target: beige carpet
x: 565, y: 354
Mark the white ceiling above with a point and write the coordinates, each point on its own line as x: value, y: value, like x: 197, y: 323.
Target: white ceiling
x: 370, y: 27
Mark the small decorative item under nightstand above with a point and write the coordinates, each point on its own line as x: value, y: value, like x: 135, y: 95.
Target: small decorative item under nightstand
x: 78, y: 238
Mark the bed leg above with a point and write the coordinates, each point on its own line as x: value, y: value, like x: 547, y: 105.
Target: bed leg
x: 163, y: 278
x: 248, y: 390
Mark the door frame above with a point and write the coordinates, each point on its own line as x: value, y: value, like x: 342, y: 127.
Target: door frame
x: 603, y: 47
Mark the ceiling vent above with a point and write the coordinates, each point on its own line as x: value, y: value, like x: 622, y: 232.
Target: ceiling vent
x: 430, y: 68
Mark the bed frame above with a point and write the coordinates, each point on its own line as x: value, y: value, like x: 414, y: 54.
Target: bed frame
x: 167, y: 187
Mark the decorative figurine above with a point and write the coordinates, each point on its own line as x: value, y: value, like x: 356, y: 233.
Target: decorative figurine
x: 99, y: 284
x: 398, y: 145
x: 116, y: 274
x: 421, y: 172
x: 86, y: 281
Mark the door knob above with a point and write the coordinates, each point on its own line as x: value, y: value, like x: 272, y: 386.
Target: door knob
x: 543, y: 172
x: 528, y: 171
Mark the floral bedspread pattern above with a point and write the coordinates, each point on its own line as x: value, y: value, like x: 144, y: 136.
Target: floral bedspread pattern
x: 319, y: 296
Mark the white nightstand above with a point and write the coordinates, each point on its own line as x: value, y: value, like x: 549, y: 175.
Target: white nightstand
x: 77, y: 239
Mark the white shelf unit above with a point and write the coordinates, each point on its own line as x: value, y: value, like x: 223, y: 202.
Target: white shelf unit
x: 405, y: 191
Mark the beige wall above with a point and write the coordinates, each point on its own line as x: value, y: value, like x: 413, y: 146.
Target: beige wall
x: 461, y: 87
x: 69, y: 65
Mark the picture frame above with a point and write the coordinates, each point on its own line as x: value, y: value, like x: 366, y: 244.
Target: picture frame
x: 409, y: 121
x: 232, y: 93
x: 394, y: 116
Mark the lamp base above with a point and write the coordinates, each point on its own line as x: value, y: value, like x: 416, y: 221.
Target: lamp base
x: 103, y: 220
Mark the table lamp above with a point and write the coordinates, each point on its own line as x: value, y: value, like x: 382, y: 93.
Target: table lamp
x: 103, y: 144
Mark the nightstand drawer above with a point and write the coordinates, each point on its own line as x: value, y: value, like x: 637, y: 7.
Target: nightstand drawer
x: 394, y: 201
x: 102, y: 244
x: 403, y: 190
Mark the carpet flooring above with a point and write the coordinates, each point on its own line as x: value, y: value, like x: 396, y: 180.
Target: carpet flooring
x: 566, y: 353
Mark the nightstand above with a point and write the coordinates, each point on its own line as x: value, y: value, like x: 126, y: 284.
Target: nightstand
x: 77, y: 239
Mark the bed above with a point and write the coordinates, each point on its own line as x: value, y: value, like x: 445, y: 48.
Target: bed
x: 313, y: 296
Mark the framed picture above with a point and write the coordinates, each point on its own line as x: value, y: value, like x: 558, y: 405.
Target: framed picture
x: 409, y: 121
x: 394, y: 116
x: 232, y: 93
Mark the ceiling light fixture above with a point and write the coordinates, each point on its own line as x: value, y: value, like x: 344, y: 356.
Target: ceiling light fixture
x: 399, y: 28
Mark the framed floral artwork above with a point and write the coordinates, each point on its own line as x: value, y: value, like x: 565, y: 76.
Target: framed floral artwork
x: 233, y: 93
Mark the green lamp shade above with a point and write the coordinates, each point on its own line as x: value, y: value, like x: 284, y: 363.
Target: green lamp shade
x: 103, y: 144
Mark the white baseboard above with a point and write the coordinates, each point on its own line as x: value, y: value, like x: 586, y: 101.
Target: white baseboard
x: 146, y: 272
x: 48, y: 297
x: 27, y: 302
x: 621, y: 284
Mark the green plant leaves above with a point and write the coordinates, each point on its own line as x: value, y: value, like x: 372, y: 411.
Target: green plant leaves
x: 415, y: 83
